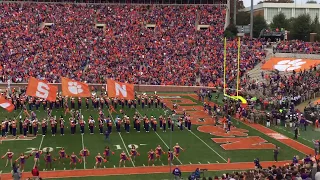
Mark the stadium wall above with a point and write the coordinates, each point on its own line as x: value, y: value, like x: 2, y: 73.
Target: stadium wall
x: 138, y: 88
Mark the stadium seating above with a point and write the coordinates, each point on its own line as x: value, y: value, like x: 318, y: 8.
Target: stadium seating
x: 145, y: 44
x: 298, y: 46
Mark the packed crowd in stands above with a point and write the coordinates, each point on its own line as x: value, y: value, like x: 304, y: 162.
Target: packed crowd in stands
x: 174, y: 52
x: 298, y: 46
x: 302, y: 171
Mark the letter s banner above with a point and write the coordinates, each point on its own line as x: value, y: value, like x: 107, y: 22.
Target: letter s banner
x: 41, y: 89
x: 120, y: 90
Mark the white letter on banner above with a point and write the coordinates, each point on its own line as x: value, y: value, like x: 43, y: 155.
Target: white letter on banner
x: 42, y: 90
x: 122, y: 89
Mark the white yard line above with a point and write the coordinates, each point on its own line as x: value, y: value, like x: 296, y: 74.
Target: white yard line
x: 84, y: 159
x: 19, y: 114
x: 125, y: 146
x: 160, y: 138
x: 208, y: 146
x: 281, y: 128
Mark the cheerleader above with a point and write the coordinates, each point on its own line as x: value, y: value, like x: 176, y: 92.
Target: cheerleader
x: 73, y: 160
x: 159, y: 152
x: 123, y: 159
x: 151, y: 157
x: 99, y: 160
x: 9, y: 154
x: 170, y: 157
x: 48, y: 159
x: 37, y: 154
x: 134, y: 153
x: 84, y: 153
x: 106, y: 153
x: 177, y: 150
x: 62, y: 155
x: 22, y: 159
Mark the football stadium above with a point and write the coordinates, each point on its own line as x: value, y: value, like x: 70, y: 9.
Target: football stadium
x: 156, y: 90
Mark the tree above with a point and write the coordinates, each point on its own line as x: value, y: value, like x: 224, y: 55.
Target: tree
x: 243, y: 18
x: 315, y: 27
x: 279, y: 21
x: 311, y: 2
x: 301, y: 27
x: 231, y: 31
x: 259, y: 23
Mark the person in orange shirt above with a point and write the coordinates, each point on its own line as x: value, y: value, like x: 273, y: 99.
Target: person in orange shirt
x: 111, y: 109
x: 317, y: 123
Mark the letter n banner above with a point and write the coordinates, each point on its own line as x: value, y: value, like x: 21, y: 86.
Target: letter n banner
x: 120, y: 90
x: 41, y: 89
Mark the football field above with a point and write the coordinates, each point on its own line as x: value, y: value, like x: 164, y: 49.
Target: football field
x: 205, y: 144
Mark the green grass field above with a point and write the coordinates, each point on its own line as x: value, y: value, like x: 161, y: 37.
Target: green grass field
x: 199, y: 148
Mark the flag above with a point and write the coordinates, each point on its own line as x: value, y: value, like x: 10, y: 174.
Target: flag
x: 6, y: 104
x: 73, y: 88
x: 120, y: 90
x: 41, y: 89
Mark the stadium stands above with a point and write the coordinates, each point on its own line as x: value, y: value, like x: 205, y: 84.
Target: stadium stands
x: 297, y: 46
x: 145, y: 44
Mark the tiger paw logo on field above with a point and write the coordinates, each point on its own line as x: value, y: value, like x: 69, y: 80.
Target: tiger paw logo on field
x: 75, y: 88
x: 289, y: 65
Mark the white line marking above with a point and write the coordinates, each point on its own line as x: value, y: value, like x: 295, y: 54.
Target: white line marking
x: 104, y: 166
x: 208, y: 146
x: 144, y: 165
x: 114, y: 166
x: 199, y: 162
x: 160, y: 138
x: 208, y: 162
x: 190, y: 163
x: 217, y: 161
x: 64, y: 169
x: 84, y: 159
x: 122, y: 139
x: 162, y: 164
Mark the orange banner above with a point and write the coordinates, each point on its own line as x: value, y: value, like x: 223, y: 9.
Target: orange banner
x: 6, y: 104
x: 41, y: 89
x: 289, y: 64
x: 120, y: 90
x: 73, y: 88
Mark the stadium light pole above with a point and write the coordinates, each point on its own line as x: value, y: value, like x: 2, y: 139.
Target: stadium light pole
x: 251, y: 20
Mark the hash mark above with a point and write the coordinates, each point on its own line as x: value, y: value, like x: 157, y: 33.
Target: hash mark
x: 199, y: 162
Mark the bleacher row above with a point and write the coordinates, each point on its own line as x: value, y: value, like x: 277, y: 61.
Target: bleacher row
x: 297, y: 46
x: 173, y: 52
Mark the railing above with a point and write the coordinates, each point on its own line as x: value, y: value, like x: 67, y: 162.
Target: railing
x: 294, y: 50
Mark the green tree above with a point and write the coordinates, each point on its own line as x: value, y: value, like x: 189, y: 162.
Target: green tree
x: 301, y: 27
x: 259, y: 23
x: 279, y: 21
x: 315, y: 27
x: 231, y: 31
x: 243, y: 18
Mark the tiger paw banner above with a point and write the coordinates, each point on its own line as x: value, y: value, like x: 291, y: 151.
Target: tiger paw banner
x: 73, y: 88
x: 120, y: 90
x: 6, y: 104
x: 41, y: 89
